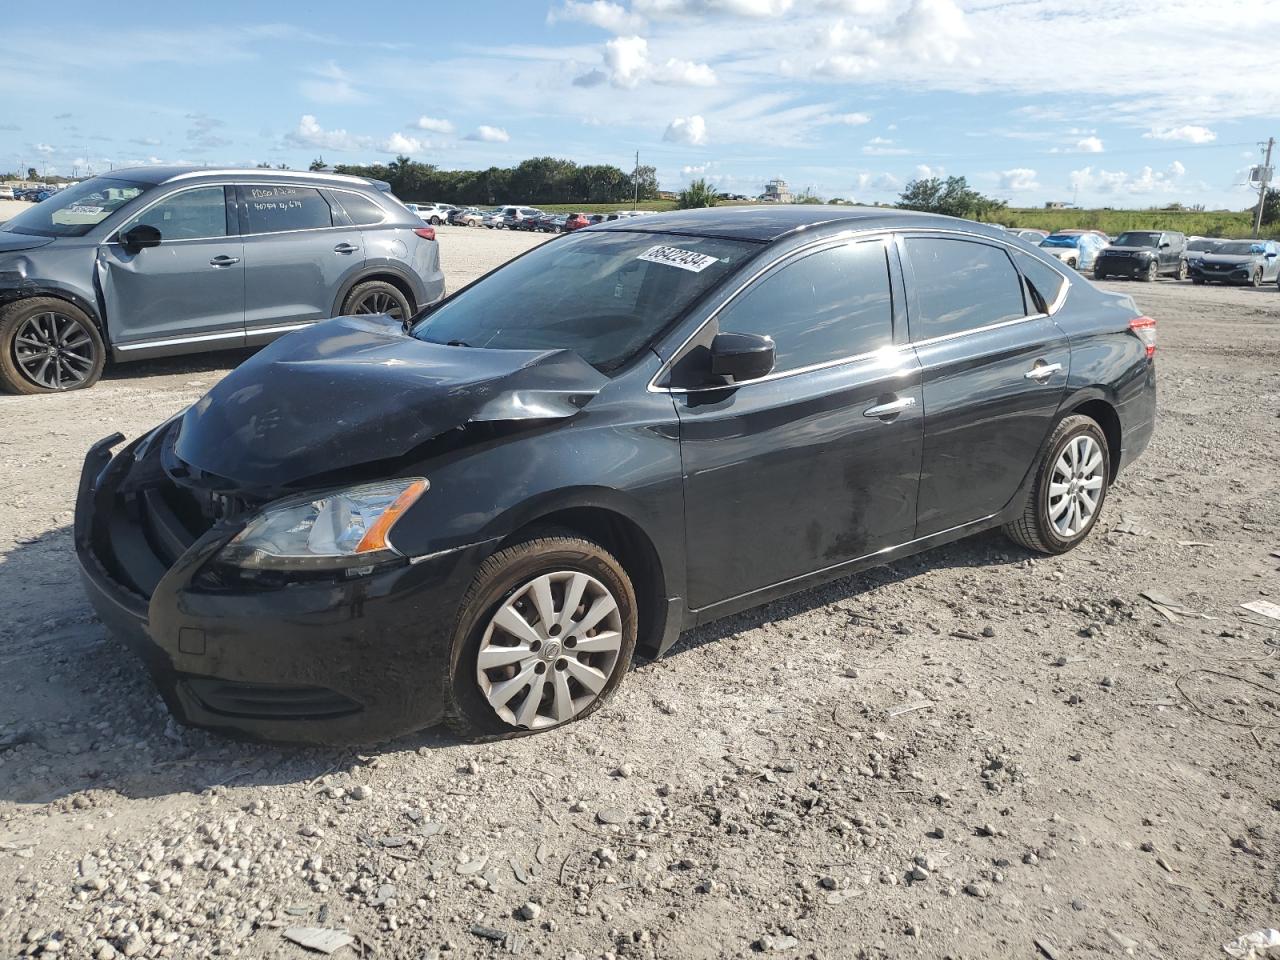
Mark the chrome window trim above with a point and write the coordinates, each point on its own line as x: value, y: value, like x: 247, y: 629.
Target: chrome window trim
x: 316, y: 179
x: 114, y: 237
x: 890, y: 233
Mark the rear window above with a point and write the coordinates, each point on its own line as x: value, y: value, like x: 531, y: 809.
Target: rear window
x: 272, y: 209
x: 1044, y: 284
x: 360, y: 209
x: 960, y: 285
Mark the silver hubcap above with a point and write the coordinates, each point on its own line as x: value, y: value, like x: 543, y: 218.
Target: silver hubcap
x: 1076, y: 486
x: 53, y: 351
x: 549, y: 650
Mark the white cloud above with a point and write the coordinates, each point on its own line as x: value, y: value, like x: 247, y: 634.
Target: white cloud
x: 683, y: 73
x: 44, y: 148
x: 878, y: 182
x: 487, y: 134
x: 882, y: 147
x: 926, y: 172
x: 685, y: 8
x: 1019, y: 178
x: 626, y: 60
x: 433, y: 125
x: 626, y: 64
x: 694, y: 170
x: 598, y: 13
x: 1146, y: 180
x: 690, y: 130
x: 1188, y: 132
x: 933, y: 30
x: 846, y: 119
x: 1089, y: 145
x: 399, y: 143
x: 309, y: 133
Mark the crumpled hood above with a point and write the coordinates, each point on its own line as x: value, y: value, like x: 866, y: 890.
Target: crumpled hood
x: 11, y: 242
x: 358, y: 389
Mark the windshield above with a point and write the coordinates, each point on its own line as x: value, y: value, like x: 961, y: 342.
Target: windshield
x: 1061, y: 240
x: 1239, y: 249
x: 75, y: 211
x: 1202, y: 244
x: 603, y: 295
x: 1140, y: 238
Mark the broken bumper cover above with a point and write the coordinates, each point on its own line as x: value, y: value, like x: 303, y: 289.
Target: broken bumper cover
x: 324, y: 661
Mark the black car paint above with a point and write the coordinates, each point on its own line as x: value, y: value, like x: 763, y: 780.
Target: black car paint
x: 724, y: 498
x: 1135, y: 262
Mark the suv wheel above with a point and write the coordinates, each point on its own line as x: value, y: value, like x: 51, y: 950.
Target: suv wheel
x: 1153, y: 272
x: 1069, y: 489
x: 1182, y: 269
x: 48, y: 346
x: 435, y: 221
x: 544, y: 636
x: 376, y: 296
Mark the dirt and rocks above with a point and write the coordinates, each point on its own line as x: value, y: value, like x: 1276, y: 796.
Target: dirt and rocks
x: 971, y: 753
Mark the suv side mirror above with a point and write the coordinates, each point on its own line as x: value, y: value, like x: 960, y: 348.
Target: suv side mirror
x: 742, y: 356
x: 140, y: 236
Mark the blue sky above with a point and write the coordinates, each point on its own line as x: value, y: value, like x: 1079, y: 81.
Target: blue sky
x: 1107, y: 104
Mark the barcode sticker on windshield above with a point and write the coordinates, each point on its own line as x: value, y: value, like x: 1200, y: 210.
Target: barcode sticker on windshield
x: 675, y: 257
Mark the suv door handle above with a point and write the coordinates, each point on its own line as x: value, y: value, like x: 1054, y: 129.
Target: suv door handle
x: 223, y: 261
x: 1042, y: 371
x: 890, y: 409
x: 345, y: 248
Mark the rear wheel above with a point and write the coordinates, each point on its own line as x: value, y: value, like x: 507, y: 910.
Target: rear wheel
x: 1070, y: 487
x: 1182, y: 269
x: 1099, y: 274
x: 544, y: 636
x: 48, y: 346
x: 377, y: 296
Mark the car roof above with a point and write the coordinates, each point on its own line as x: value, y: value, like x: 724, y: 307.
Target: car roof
x: 159, y: 174
x: 768, y: 222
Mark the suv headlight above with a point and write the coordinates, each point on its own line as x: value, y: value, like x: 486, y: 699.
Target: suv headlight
x: 334, y: 530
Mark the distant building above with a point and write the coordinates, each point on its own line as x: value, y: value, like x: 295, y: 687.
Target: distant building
x: 1057, y: 205
x: 776, y: 191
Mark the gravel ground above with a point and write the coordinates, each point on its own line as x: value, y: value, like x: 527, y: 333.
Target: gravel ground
x: 971, y: 753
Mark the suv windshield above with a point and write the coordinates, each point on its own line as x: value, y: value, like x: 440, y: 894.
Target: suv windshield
x: 604, y: 296
x: 75, y: 211
x: 1137, y: 239
x: 1239, y: 249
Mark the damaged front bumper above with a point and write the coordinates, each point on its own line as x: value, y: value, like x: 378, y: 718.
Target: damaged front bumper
x: 328, y: 660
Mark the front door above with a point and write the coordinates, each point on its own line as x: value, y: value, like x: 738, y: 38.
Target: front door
x: 817, y: 463
x: 994, y: 370
x: 190, y: 287
x: 297, y: 254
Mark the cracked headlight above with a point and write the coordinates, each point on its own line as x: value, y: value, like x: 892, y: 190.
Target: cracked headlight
x: 334, y: 530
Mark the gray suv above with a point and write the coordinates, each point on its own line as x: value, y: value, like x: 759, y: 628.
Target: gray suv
x: 155, y: 261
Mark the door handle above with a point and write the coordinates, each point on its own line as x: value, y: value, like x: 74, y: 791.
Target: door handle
x: 223, y: 261
x: 345, y: 248
x: 890, y: 409
x: 1042, y: 371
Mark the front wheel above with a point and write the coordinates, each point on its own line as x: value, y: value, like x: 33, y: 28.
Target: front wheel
x: 1257, y: 278
x: 1070, y: 487
x: 1153, y: 271
x: 1099, y: 275
x: 435, y: 221
x: 544, y: 636
x: 48, y: 346
x: 376, y: 296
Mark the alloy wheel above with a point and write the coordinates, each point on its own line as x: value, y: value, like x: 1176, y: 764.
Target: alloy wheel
x: 54, y: 351
x: 549, y: 650
x: 1075, y: 489
x: 379, y: 301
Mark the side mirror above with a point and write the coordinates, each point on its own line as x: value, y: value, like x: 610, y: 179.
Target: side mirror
x: 742, y: 356
x: 1271, y: 255
x: 139, y: 237
x: 1166, y: 245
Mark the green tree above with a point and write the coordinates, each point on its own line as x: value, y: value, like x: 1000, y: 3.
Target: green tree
x: 647, y: 180
x: 807, y: 196
x: 698, y: 194
x: 1271, y: 207
x: 317, y: 164
x: 952, y: 197
x: 31, y: 173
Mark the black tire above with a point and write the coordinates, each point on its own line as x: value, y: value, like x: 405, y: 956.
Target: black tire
x: 1256, y: 282
x: 1197, y: 281
x: 374, y: 297
x: 502, y: 576
x: 1099, y: 275
x: 1071, y: 264
x: 83, y: 354
x: 1033, y: 529
x: 1182, y: 270
x: 1153, y: 272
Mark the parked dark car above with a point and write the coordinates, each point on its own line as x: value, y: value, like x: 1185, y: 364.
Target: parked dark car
x: 365, y: 529
x: 156, y: 261
x: 1252, y: 262
x: 1143, y: 255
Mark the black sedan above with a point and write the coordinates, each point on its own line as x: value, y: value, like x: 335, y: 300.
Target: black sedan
x: 481, y: 515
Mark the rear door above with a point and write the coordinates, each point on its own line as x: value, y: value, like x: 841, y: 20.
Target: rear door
x: 189, y: 289
x: 819, y: 462
x: 994, y: 368
x: 298, y: 250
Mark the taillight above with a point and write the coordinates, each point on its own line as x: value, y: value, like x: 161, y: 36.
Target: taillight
x: 426, y: 233
x: 1145, y: 328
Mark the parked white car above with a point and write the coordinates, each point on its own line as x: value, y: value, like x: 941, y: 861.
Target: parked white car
x: 433, y: 213
x: 6, y: 193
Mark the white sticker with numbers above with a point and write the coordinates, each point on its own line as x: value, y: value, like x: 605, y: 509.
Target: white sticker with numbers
x: 675, y: 257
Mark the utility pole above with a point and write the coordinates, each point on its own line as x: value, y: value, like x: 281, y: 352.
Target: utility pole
x: 635, y: 182
x: 1264, y: 181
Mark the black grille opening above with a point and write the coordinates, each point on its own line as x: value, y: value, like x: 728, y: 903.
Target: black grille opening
x: 270, y: 701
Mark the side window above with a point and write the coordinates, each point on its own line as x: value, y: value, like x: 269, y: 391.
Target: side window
x: 960, y: 285
x: 1044, y: 284
x: 829, y: 305
x: 189, y: 215
x: 270, y: 209
x: 360, y: 208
